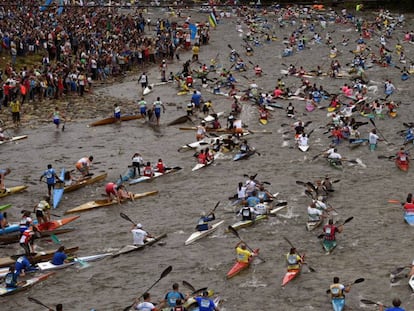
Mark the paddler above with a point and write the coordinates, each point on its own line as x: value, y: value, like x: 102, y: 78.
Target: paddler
x: 111, y: 190
x: 373, y: 139
x: 242, y: 253
x: 337, y: 291
x: 402, y: 156
x: 335, y: 157
x: 174, y: 296
x: 315, y: 214
x: 202, y: 224
x: 25, y: 221
x: 117, y: 113
x: 56, y: 116
x: 247, y: 212
x: 146, y: 305
x: 157, y: 105
x: 160, y: 168
x: 293, y: 260
x: 42, y: 210
x: 3, y: 173
x: 11, y: 278
x: 201, y: 131
x: 27, y: 239
x: 51, y: 178
x: 330, y: 230
x: 244, y: 147
x: 139, y: 235
x: 59, y: 257
x: 205, y: 303
x: 3, y: 220
x: 142, y: 104
x: 396, y: 303
x: 260, y: 208
x: 83, y: 165
x: 22, y: 266
x: 148, y: 170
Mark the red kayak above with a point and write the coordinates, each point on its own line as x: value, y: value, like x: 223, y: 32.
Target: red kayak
x: 402, y: 165
x: 240, y: 266
x: 290, y: 275
x: 54, y: 224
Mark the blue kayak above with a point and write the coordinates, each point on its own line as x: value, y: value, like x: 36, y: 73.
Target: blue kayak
x: 13, y: 227
x: 338, y: 304
x: 409, y: 218
x: 245, y: 155
x: 59, y: 189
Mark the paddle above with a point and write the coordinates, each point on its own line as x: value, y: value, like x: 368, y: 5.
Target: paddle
x: 373, y: 124
x: 234, y: 231
x: 396, y: 202
x: 305, y: 263
x: 212, y: 211
x: 163, y: 275
x: 385, y: 157
x: 31, y: 299
x: 55, y: 239
x: 370, y: 302
x: 350, y: 161
x: 360, y: 280
x: 187, y: 284
x: 194, y: 291
x: 346, y: 221
x: 126, y: 217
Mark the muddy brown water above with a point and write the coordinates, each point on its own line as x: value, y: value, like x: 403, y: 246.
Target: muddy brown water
x: 375, y: 242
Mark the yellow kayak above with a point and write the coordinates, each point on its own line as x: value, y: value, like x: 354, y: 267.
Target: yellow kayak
x: 263, y: 121
x: 12, y: 190
x: 84, y: 182
x: 102, y: 203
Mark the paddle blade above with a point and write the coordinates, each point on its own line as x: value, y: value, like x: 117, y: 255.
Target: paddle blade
x: 348, y: 220
x: 368, y: 302
x: 372, y: 122
x: 166, y: 272
x: 187, y: 284
x: 234, y: 231
x: 281, y: 204
x: 301, y: 183
x: 395, y: 201
x: 218, y: 203
x: 55, y: 239
x: 126, y: 217
x: 360, y: 280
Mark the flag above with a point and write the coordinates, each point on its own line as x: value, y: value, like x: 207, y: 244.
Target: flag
x: 212, y: 20
x: 193, y: 31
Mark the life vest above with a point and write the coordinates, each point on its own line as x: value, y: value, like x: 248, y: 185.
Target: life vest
x: 10, y: 280
x: 336, y: 291
x: 148, y: 171
x: 409, y: 207
x: 263, y: 115
x: 246, y: 213
x: 27, y: 234
x: 329, y: 232
x: 161, y: 167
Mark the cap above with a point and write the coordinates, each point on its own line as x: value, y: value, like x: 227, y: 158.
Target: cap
x: 139, y: 226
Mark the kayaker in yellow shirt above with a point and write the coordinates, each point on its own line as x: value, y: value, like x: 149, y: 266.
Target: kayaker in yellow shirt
x: 243, y: 254
x: 293, y: 260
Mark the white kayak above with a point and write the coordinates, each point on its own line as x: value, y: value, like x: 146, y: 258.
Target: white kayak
x: 202, y: 144
x: 46, y: 266
x: 275, y: 210
x: 156, y: 174
x: 200, y: 165
x: 303, y: 148
x: 411, y: 282
x: 211, y: 117
x: 200, y: 234
x: 13, y: 139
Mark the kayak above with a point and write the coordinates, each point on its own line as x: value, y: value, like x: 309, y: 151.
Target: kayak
x: 198, y: 145
x: 411, y: 282
x: 37, y: 257
x: 247, y: 223
x: 338, y: 304
x: 240, y: 266
x: 303, y: 148
x: 47, y: 266
x: 15, y: 138
x: 4, y: 207
x: 210, y: 129
x: 201, y: 234
x: 132, y: 248
x: 335, y: 164
x: 211, y: 117
x: 328, y: 245
x: 263, y: 121
x: 12, y: 190
x: 357, y: 142
x: 290, y: 275
x: 28, y: 283
x: 85, y: 181
x: 12, y: 227
x: 409, y: 218
x: 313, y: 224
x: 333, y: 109
x: 200, y: 165
x: 59, y: 189
x: 14, y: 237
x: 180, y: 120
x: 54, y: 224
x: 404, y: 166
x: 112, y: 120
x: 156, y: 175
x: 245, y: 155
x: 274, y: 105
x: 277, y: 209
x: 103, y: 203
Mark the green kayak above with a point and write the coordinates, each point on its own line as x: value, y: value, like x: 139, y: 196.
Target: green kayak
x: 4, y: 207
x: 329, y: 245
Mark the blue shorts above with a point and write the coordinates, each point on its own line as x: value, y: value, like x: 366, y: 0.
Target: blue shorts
x: 56, y: 121
x: 117, y: 115
x: 143, y: 110
x: 157, y: 112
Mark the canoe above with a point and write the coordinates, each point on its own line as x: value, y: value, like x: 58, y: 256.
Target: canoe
x: 403, y: 166
x: 180, y: 120
x: 47, y: 266
x: 201, y: 234
x: 243, y: 156
x: 313, y: 224
x: 263, y: 121
x: 15, y: 138
x: 132, y: 248
x: 211, y: 117
x: 84, y: 182
x: 335, y: 164
x: 303, y: 148
x: 411, y: 282
x: 328, y: 246
x: 59, y: 189
x: 37, y: 257
x: 156, y: 175
x: 290, y: 275
x: 247, y: 223
x: 338, y: 304
x: 55, y: 224
x: 13, y: 227
x: 14, y: 237
x: 4, y: 207
x: 112, y: 120
x: 240, y: 266
x: 103, y: 203
x: 409, y: 218
x: 29, y: 283
x: 13, y: 190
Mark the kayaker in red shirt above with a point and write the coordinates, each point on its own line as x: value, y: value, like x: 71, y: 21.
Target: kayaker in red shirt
x: 402, y: 156
x: 409, y: 204
x: 148, y: 171
x: 160, y: 166
x: 330, y: 230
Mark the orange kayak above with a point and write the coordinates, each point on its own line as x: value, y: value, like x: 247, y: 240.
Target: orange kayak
x: 240, y: 266
x: 54, y: 224
x: 402, y: 165
x: 289, y: 276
